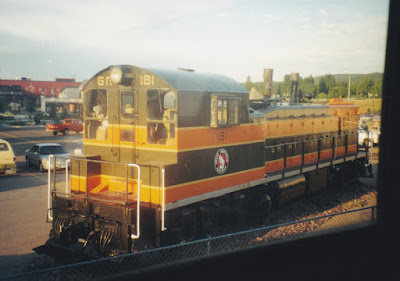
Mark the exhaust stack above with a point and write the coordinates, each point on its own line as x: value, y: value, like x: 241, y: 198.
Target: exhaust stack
x: 268, y: 82
x: 294, y: 84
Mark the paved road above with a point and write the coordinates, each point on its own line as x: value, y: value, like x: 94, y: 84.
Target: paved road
x: 22, y: 138
x: 23, y: 198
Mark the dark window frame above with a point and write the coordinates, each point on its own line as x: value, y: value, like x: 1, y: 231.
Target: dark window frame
x: 231, y: 109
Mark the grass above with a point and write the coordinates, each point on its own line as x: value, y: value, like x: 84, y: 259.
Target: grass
x: 369, y: 105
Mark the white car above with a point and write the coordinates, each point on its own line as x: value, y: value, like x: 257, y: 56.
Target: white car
x: 38, y: 155
x: 7, y: 158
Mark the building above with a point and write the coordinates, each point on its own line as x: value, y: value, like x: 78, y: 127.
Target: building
x: 17, y: 92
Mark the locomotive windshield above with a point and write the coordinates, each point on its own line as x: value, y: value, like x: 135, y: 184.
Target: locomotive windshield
x: 96, y: 112
x: 127, y: 104
x: 97, y: 105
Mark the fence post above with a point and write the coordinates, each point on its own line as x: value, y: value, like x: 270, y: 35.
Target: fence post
x: 373, y: 215
x: 208, y: 245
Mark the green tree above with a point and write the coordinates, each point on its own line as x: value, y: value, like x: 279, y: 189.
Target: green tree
x: 343, y: 84
x: 307, y: 86
x: 330, y: 81
x: 308, y: 80
x: 309, y: 89
x: 337, y: 92
x: 322, y: 88
x: 286, y: 91
x: 364, y: 87
x: 248, y: 84
x: 322, y: 96
x: 377, y: 87
x: 279, y: 90
x: 326, y: 83
x: 260, y: 87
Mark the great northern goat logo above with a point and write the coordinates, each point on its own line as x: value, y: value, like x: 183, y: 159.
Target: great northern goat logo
x: 221, y: 161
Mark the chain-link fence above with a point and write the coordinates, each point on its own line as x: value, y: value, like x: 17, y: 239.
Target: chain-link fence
x: 145, y: 260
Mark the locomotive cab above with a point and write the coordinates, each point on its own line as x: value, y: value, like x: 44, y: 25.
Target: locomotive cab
x: 147, y: 135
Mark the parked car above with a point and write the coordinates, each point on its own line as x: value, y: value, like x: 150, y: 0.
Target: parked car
x: 7, y: 158
x: 65, y: 126
x: 38, y: 155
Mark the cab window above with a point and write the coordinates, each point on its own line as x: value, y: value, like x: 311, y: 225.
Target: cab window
x: 161, y: 115
x: 224, y: 111
x: 96, y: 111
x: 97, y: 103
x: 127, y: 104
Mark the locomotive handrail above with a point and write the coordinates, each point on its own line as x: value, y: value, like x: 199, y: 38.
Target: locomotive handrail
x: 113, y: 148
x: 133, y: 236
x: 49, y: 205
x: 318, y: 140
x: 163, y: 201
x: 92, y: 198
x: 69, y: 193
x: 67, y: 186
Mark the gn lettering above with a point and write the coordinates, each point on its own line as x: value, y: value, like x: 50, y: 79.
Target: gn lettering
x: 101, y: 81
x: 145, y: 80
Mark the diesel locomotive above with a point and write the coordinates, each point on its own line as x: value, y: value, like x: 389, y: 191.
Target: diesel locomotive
x: 171, y: 155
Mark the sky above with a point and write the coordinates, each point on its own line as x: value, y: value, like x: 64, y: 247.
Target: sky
x: 44, y: 39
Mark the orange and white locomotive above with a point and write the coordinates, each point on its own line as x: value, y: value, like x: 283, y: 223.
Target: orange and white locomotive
x: 167, y: 153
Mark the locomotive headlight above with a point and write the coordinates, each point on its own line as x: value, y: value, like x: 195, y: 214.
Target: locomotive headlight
x: 116, y: 75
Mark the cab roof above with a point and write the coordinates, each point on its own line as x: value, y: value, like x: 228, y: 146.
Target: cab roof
x: 189, y: 80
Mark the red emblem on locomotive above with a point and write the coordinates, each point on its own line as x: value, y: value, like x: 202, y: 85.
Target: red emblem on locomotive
x: 221, y: 161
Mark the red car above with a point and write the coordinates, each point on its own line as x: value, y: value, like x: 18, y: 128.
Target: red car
x: 65, y: 126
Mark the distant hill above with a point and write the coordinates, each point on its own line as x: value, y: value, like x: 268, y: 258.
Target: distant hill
x: 354, y: 78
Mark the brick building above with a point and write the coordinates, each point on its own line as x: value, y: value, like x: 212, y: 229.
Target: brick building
x: 16, y: 93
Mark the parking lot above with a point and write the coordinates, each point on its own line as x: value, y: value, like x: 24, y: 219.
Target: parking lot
x: 23, y: 198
